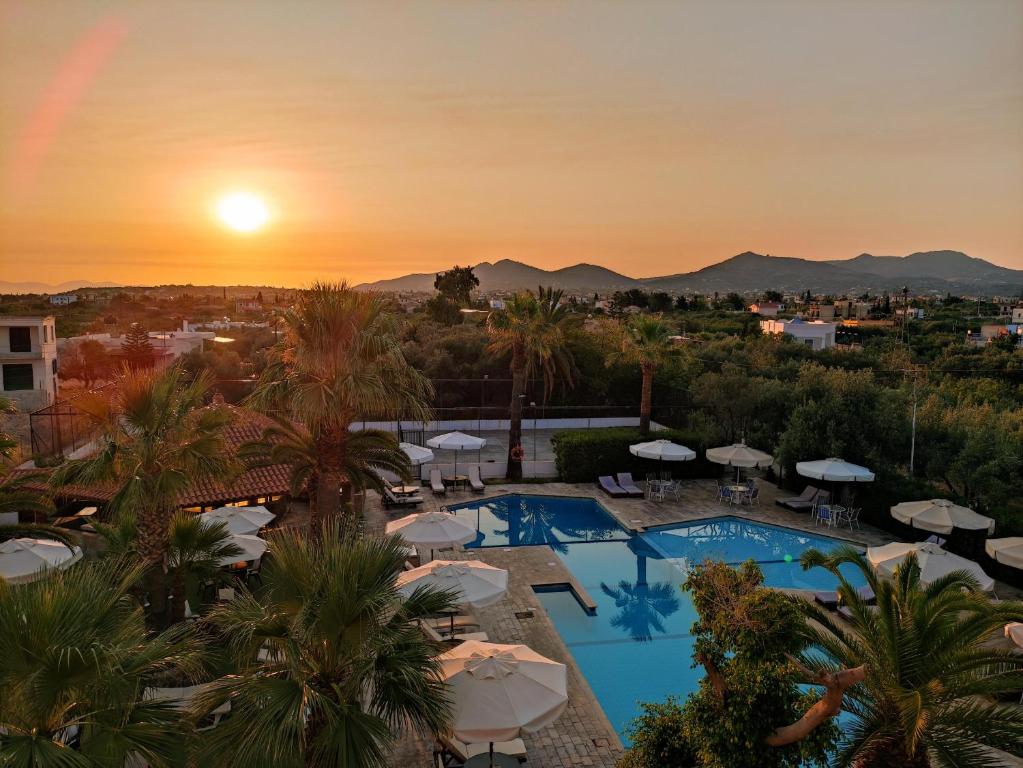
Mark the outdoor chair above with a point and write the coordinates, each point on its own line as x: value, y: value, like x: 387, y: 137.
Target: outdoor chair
x: 607, y: 484
x: 626, y: 484
x: 851, y: 517
x: 753, y: 496
x: 935, y: 539
x: 824, y: 516
x: 476, y: 480
x: 802, y: 502
x: 390, y: 500
x: 252, y: 572
x: 437, y: 637
x: 437, y: 482
x: 827, y: 600
x: 455, y: 753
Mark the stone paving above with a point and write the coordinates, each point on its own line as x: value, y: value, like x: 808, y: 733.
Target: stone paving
x: 582, y: 736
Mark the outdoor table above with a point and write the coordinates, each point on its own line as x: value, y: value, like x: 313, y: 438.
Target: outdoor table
x: 457, y: 481
x: 405, y: 490
x: 501, y: 760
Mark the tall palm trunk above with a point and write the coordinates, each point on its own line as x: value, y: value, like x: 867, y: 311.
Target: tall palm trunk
x: 645, y: 402
x: 152, y: 547
x: 518, y: 367
x: 330, y: 480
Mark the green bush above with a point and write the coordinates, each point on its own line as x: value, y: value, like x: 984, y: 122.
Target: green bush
x: 658, y: 737
x: 583, y: 455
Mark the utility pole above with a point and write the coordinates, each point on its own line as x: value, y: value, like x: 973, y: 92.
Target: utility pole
x: 912, y: 443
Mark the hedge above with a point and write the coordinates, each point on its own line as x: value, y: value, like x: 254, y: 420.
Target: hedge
x: 583, y: 455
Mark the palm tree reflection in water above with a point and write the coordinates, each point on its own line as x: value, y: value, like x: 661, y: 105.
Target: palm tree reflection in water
x: 642, y: 606
x: 531, y: 522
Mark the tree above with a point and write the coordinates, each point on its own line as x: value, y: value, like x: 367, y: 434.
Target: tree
x: 136, y: 347
x: 443, y: 310
x: 457, y: 285
x: 76, y: 663
x: 933, y: 678
x: 531, y: 329
x: 339, y: 360
x: 154, y: 441
x: 660, y: 302
x: 681, y: 303
x: 17, y: 497
x: 772, y: 295
x: 344, y: 663
x: 8, y: 443
x: 197, y: 551
x: 87, y: 361
x: 643, y: 340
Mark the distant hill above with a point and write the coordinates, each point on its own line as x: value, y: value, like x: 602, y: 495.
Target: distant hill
x: 67, y: 285
x: 930, y: 271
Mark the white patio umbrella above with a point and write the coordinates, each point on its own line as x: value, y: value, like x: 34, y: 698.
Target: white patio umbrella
x: 835, y: 470
x: 662, y: 450
x: 1008, y: 550
x: 500, y: 692
x: 416, y: 453
x: 934, y: 561
x: 240, y: 520
x: 23, y: 560
x: 432, y: 530
x: 252, y: 548
x: 476, y: 584
x: 739, y: 455
x: 457, y: 441
x: 941, y: 516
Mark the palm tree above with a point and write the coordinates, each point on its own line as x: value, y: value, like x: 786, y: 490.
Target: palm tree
x: 331, y: 660
x: 340, y: 359
x: 531, y: 329
x: 8, y: 443
x: 75, y: 665
x: 933, y: 678
x: 16, y: 496
x: 643, y: 340
x: 155, y: 441
x: 198, y: 549
x: 367, y: 453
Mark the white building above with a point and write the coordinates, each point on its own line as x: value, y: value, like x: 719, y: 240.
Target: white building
x: 497, y: 303
x: 28, y: 361
x: 168, y: 345
x: 815, y: 334
x: 63, y: 299
x: 765, y: 308
x: 1017, y: 314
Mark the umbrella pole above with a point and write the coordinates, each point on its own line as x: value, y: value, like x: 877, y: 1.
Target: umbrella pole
x: 491, y: 754
x: 452, y: 613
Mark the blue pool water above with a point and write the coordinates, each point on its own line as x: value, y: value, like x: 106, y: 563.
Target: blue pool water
x: 637, y: 646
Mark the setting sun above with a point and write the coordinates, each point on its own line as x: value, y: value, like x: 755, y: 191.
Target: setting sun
x: 243, y: 212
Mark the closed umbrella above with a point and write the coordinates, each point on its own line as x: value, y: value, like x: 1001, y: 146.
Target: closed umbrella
x: 432, y: 530
x: 476, y: 584
x: 252, y: 548
x: 240, y: 520
x: 662, y: 450
x: 416, y: 453
x: 941, y: 516
x: 934, y: 561
x: 500, y: 692
x: 1008, y: 550
x: 457, y: 441
x: 23, y: 560
x: 739, y: 455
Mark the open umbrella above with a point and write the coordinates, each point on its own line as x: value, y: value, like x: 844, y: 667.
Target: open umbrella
x: 432, y: 530
x: 739, y: 455
x: 476, y: 584
x: 252, y: 548
x: 662, y: 450
x: 1008, y: 550
x: 24, y: 560
x: 834, y: 471
x: 499, y: 692
x: 456, y: 441
x: 941, y: 516
x: 934, y: 561
x: 240, y: 520
x: 416, y: 453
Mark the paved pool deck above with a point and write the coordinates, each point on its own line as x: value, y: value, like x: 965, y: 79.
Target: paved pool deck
x: 582, y: 736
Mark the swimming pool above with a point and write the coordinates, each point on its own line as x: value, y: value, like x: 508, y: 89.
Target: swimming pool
x: 636, y: 646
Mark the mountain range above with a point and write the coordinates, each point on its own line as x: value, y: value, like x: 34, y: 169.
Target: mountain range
x: 924, y: 272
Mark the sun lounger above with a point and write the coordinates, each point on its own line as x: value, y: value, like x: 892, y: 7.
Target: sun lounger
x: 461, y: 752
x: 462, y: 622
x: 391, y: 500
x: 802, y: 502
x: 610, y: 487
x: 475, y: 480
x: 935, y: 539
x: 826, y: 600
x: 626, y: 484
x: 846, y: 612
x: 437, y: 482
x: 437, y: 637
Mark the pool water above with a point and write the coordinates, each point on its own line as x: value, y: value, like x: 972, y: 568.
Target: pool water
x: 636, y: 646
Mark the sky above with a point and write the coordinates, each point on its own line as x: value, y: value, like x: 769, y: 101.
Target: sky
x: 393, y: 137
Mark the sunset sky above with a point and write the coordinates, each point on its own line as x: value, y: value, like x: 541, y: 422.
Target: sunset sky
x: 387, y: 137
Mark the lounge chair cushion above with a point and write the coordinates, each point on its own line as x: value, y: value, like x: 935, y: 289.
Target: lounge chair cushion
x: 610, y: 487
x: 828, y: 600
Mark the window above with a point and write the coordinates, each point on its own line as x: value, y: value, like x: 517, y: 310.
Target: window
x: 17, y: 376
x: 21, y: 340
x: 54, y: 366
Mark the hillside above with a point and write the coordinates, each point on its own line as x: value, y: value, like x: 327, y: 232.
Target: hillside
x: 508, y: 275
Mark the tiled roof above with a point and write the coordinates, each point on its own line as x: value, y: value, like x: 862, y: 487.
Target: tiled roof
x: 246, y: 426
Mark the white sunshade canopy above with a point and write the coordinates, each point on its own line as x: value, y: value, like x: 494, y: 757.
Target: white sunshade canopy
x: 834, y: 470
x: 739, y: 455
x: 23, y: 560
x: 478, y: 584
x: 456, y: 441
x: 252, y: 548
x: 240, y: 520
x: 662, y: 450
x: 502, y: 691
x: 432, y: 530
x: 416, y: 453
x: 1008, y: 550
x: 934, y: 561
x: 941, y: 516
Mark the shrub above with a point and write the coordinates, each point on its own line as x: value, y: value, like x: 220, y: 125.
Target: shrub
x: 658, y: 738
x: 583, y: 455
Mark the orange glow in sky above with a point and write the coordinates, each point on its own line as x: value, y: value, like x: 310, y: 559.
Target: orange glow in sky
x: 378, y: 139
